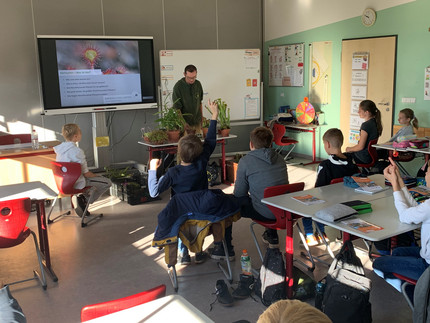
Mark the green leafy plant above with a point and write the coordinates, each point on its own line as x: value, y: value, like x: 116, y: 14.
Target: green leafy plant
x: 205, y: 122
x: 170, y: 117
x: 223, y: 114
x: 117, y: 172
x: 156, y: 136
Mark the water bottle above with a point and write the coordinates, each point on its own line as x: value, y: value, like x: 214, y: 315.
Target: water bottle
x: 245, y: 262
x: 34, y: 140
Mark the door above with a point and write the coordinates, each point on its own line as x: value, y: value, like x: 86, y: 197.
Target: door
x: 380, y: 80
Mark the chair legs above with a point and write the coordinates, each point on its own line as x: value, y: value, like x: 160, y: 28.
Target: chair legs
x: 85, y: 215
x: 39, y: 276
x: 58, y: 216
x: 226, y: 271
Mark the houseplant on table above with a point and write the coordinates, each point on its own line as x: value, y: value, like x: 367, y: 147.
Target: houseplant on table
x: 173, y: 121
x: 205, y: 126
x: 223, y: 118
x: 156, y: 137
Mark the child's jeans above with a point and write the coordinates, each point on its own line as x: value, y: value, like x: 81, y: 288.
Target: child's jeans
x: 405, y: 261
x: 307, y: 226
x: 183, y: 250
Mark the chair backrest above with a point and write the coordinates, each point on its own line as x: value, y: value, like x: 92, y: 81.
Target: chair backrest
x: 13, y: 218
x: 372, y: 152
x: 336, y: 180
x: 278, y: 132
x: 15, y: 139
x: 66, y: 174
x: 93, y: 311
x: 278, y: 190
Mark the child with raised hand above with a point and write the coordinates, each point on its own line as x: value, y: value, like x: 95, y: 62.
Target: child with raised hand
x: 370, y: 129
x: 336, y: 166
x: 190, y: 175
x: 69, y: 152
x: 408, y: 121
x: 407, y: 261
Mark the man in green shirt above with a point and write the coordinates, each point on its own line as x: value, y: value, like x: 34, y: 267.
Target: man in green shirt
x: 189, y: 91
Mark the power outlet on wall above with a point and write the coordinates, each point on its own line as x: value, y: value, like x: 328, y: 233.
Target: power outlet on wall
x: 408, y: 100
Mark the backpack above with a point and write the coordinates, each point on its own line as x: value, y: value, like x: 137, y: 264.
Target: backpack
x: 422, y: 298
x: 270, y: 285
x: 347, y: 291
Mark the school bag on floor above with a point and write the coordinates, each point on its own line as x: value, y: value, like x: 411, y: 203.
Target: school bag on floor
x: 347, y: 291
x: 422, y: 298
x: 270, y: 284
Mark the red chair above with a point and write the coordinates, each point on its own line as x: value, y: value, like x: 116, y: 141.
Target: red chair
x: 406, y: 281
x: 280, y: 223
x: 13, y: 231
x: 281, y: 141
x: 66, y: 174
x: 90, y: 312
x: 373, y: 154
x: 336, y: 180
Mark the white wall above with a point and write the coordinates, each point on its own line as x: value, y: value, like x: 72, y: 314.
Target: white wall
x: 286, y: 17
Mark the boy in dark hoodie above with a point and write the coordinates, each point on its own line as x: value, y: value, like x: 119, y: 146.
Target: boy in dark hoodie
x: 261, y: 168
x: 336, y: 166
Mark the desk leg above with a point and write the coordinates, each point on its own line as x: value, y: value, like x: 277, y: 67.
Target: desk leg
x: 150, y: 153
x: 43, y: 238
x: 314, y: 149
x: 224, y: 175
x: 289, y: 249
x: 346, y: 236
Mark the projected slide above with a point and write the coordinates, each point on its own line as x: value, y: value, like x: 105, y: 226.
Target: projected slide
x: 98, y: 72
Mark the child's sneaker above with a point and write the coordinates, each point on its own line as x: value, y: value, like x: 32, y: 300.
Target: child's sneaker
x: 184, y: 259
x: 319, y: 239
x: 218, y: 253
x: 200, y: 257
x: 311, y: 240
x: 223, y: 296
x: 245, y: 287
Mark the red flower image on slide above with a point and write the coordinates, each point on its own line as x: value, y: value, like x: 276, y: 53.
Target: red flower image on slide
x: 91, y: 55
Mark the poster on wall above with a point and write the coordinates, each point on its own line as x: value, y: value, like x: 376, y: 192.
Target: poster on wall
x: 360, y: 61
x: 321, y: 62
x: 427, y: 83
x: 286, y: 65
x: 354, y: 136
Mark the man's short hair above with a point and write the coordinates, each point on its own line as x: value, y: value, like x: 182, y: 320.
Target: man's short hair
x: 190, y: 69
x: 69, y: 130
x: 189, y: 148
x: 261, y: 137
x: 334, y: 136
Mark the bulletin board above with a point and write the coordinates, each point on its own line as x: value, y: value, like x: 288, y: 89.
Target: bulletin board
x: 232, y: 75
x: 286, y: 65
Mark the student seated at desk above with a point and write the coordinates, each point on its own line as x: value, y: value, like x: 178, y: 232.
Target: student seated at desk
x: 408, y: 121
x: 190, y: 175
x: 336, y: 166
x: 370, y: 129
x: 261, y: 168
x: 69, y: 152
x: 407, y: 261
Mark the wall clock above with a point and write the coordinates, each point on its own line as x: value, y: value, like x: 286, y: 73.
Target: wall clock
x: 368, y: 17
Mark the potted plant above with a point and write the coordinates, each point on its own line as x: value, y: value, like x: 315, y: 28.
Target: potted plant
x: 173, y: 121
x: 156, y: 137
x: 223, y: 118
x: 205, y: 126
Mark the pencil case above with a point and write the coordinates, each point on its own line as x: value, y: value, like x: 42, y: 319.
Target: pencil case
x: 335, y: 212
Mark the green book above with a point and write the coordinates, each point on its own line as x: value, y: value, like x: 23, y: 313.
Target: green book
x: 360, y: 206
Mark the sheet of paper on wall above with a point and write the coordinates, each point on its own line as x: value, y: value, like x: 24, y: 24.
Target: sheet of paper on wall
x: 276, y: 65
x: 355, y: 121
x: 360, y: 61
x: 354, y: 136
x: 359, y: 77
x: 427, y: 83
x: 354, y: 107
x: 321, y: 58
x: 251, y: 108
x: 358, y: 92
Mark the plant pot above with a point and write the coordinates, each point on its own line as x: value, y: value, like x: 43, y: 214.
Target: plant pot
x: 205, y: 132
x: 224, y: 132
x: 173, y: 135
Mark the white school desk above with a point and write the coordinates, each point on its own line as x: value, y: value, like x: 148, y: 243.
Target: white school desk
x: 384, y: 214
x: 172, y: 308
x: 38, y: 192
x: 173, y: 147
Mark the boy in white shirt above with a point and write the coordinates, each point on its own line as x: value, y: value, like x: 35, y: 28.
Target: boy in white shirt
x: 69, y: 152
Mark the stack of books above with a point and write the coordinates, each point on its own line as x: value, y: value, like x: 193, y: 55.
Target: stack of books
x: 366, y: 185
x: 408, y: 180
x: 360, y: 206
x: 420, y: 193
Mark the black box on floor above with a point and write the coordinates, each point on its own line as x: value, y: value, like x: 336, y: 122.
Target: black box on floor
x: 132, y: 189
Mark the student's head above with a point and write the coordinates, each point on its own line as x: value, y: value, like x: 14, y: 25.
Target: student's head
x: 189, y: 148
x: 407, y: 116
x: 261, y: 137
x: 292, y: 311
x: 71, y: 132
x: 333, y: 139
x: 190, y: 74
x: 367, y: 110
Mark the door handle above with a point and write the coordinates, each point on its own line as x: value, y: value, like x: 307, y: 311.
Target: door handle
x: 384, y: 103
